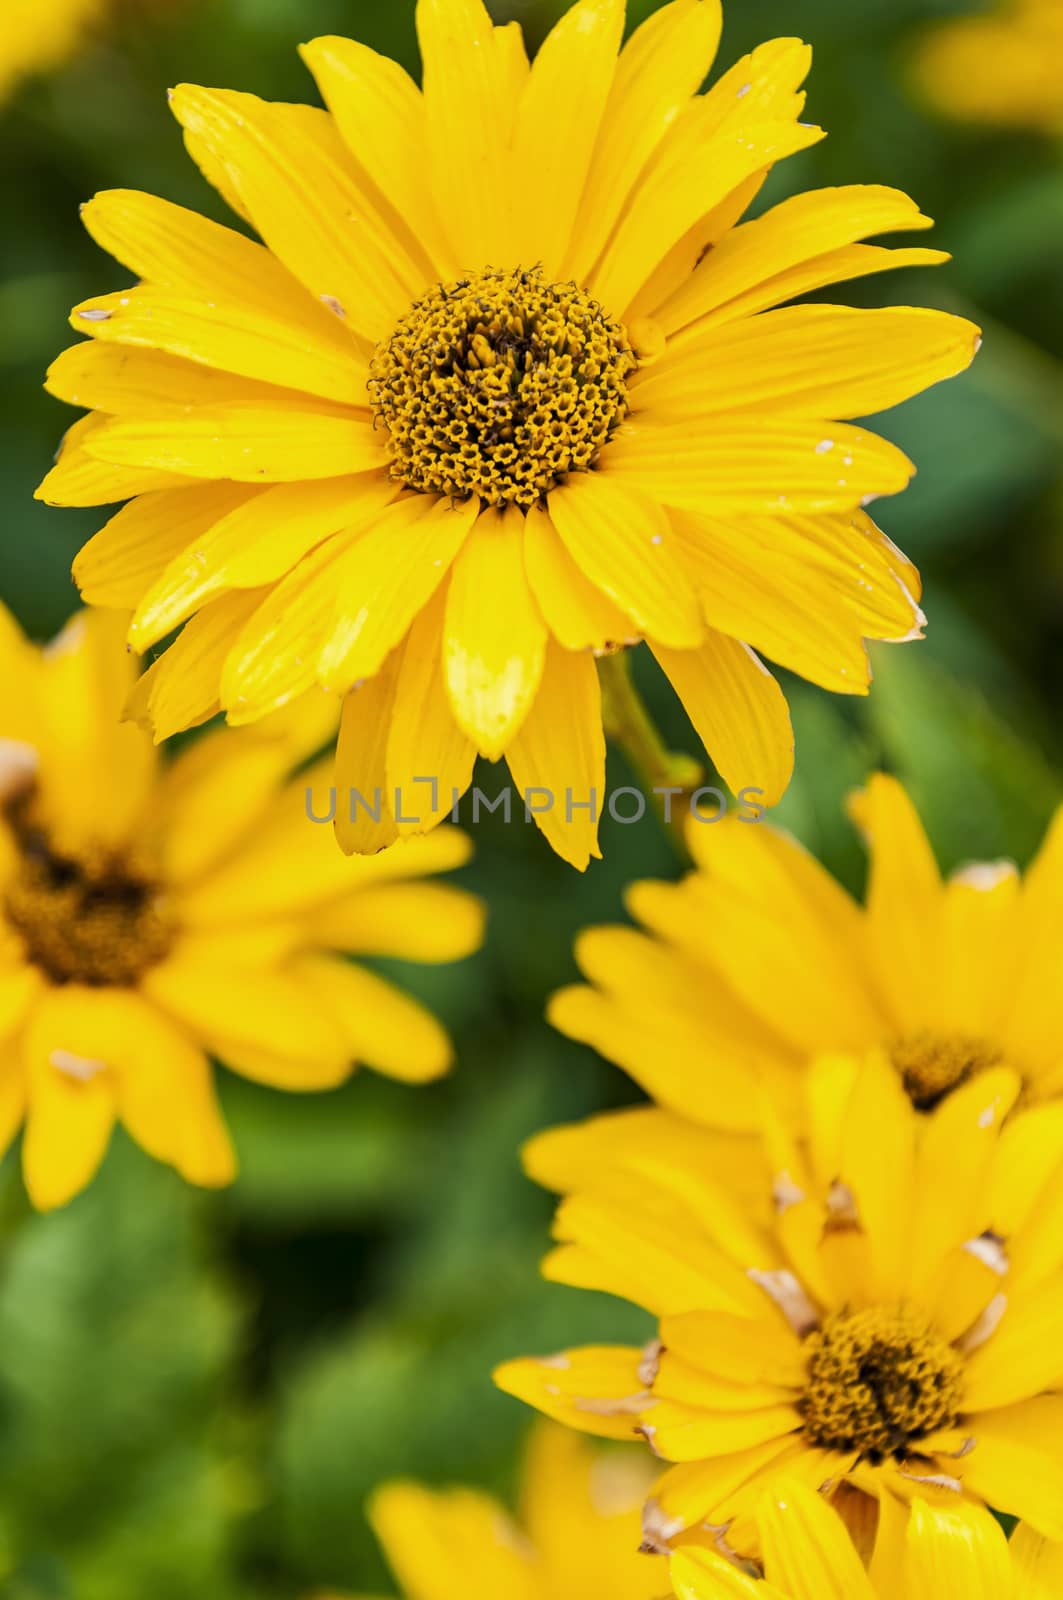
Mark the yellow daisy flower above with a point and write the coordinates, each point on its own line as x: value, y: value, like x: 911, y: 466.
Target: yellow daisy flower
x: 578, y: 1532
x: 507, y: 384
x: 151, y: 914
x: 889, y: 1316
x: 39, y: 38
x: 1002, y: 67
x: 758, y: 961
x: 941, y: 1550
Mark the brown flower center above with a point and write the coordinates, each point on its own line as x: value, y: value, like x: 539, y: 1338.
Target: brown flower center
x: 933, y: 1064
x: 91, y: 921
x: 499, y: 385
x: 879, y: 1381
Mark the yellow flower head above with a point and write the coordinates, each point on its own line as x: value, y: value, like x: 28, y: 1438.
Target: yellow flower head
x: 758, y: 961
x: 150, y: 915
x: 886, y: 1315
x: 940, y: 1550
x: 578, y: 1532
x: 38, y: 38
x: 507, y: 384
x: 1002, y: 67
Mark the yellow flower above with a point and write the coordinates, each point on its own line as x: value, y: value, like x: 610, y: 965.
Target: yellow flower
x: 507, y: 384
x: 941, y: 1551
x: 1004, y: 67
x: 151, y: 914
x: 38, y: 38
x: 758, y: 961
x: 578, y: 1533
x: 888, y: 1315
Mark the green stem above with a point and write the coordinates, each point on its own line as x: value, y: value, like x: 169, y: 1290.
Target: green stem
x: 628, y: 723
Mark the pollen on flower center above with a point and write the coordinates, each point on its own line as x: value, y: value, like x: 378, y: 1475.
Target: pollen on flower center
x: 499, y: 385
x: 932, y: 1064
x: 83, y: 921
x: 879, y: 1381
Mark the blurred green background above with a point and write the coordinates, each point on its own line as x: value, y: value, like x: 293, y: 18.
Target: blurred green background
x: 196, y: 1392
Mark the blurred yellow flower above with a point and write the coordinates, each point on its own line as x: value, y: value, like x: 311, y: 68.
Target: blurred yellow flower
x: 758, y: 961
x: 1002, y: 67
x: 506, y: 385
x: 945, y: 1549
x: 888, y: 1317
x: 151, y: 914
x: 578, y: 1531
x: 36, y: 37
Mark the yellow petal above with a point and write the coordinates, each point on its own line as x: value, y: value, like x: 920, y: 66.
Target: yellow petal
x: 623, y: 542
x: 273, y: 1011
x: 809, y: 360
x: 80, y: 479
x: 1024, y: 1355
x: 254, y: 544
x: 274, y: 657
x: 557, y: 127
x: 364, y: 815
x: 380, y: 114
x: 392, y: 571
x: 181, y: 350
x: 877, y: 1163
x: 738, y: 711
x: 808, y: 591
x: 596, y: 1389
x: 514, y: 68
x: 173, y: 248
x: 799, y: 230
x: 465, y: 108
x: 1038, y: 1565
x: 557, y: 759
x: 952, y: 1169
x: 266, y: 152
x: 494, y: 639
x: 980, y: 925
x: 955, y: 1551
x: 165, y: 1090
x: 663, y: 63
x: 242, y: 443
x: 704, y: 1575
x: 411, y: 921
x: 725, y: 138
x: 768, y: 466
x: 71, y: 1096
x: 1015, y: 1463
x: 129, y: 553
x: 181, y: 689
x: 807, y: 1551
x: 439, y: 1544
x: 381, y: 1026
x: 579, y: 615
x: 429, y: 759
x: 85, y: 677
x: 674, y: 270
x: 683, y: 1433
x: 903, y: 898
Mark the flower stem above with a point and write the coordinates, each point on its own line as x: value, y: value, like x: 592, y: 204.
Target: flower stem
x: 628, y: 723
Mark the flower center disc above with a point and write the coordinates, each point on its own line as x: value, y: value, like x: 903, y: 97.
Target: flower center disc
x: 83, y: 922
x: 931, y: 1064
x: 879, y: 1381
x: 499, y: 385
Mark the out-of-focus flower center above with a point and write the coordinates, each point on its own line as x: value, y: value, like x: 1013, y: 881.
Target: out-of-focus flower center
x: 499, y: 385
x: 92, y: 921
x: 933, y: 1064
x: 879, y: 1381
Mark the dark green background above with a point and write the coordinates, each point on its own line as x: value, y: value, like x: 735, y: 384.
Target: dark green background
x: 196, y: 1392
